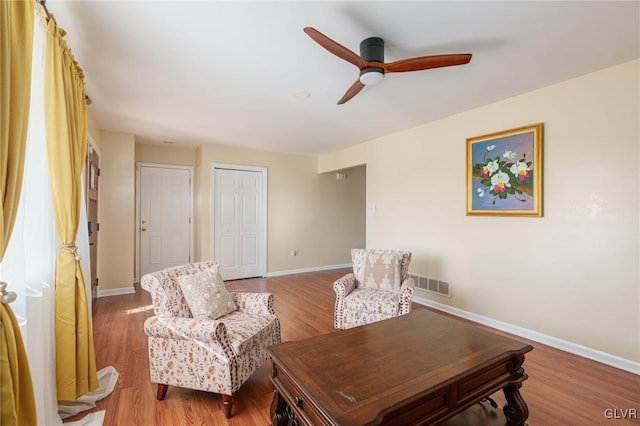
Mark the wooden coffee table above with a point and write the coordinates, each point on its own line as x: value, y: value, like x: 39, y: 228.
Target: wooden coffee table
x: 420, y: 368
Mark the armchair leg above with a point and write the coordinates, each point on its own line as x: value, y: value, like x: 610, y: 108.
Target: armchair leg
x: 227, y: 401
x: 162, y: 391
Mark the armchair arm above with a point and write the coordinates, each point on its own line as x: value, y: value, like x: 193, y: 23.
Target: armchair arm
x: 406, y: 294
x: 211, y: 333
x: 254, y: 303
x: 344, y: 285
x: 200, y: 329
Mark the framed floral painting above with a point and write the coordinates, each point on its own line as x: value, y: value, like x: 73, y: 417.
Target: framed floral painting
x: 504, y: 173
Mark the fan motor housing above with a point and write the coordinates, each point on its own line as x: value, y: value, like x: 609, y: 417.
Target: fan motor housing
x: 372, y: 50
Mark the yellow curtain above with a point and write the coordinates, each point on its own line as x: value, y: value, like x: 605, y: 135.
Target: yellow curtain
x: 17, y: 402
x: 66, y: 133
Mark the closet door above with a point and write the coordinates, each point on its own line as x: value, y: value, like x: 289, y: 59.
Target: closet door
x: 238, y: 223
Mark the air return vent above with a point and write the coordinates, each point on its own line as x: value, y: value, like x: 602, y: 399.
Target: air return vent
x: 432, y: 285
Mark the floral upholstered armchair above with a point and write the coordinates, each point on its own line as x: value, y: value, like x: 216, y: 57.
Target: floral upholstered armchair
x: 197, y: 351
x: 379, y: 288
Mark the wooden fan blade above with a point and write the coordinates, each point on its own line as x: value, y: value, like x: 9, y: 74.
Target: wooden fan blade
x: 352, y: 91
x: 427, y: 62
x: 335, y: 47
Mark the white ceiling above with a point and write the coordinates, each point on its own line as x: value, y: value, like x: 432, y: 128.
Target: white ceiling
x: 226, y: 72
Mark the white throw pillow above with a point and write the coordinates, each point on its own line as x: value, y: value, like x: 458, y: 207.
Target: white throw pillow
x: 206, y: 294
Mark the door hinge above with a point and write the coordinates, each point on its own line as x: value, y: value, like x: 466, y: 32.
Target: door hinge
x: 98, y: 171
x: 97, y: 279
x: 189, y: 220
x: 97, y: 226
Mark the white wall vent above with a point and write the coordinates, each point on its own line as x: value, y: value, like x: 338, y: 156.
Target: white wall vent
x: 432, y: 285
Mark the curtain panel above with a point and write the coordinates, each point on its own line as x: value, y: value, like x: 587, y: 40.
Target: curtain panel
x: 17, y: 403
x: 66, y: 134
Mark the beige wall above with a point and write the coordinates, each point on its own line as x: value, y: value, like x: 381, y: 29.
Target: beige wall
x: 94, y: 130
x: 165, y: 154
x: 572, y: 274
x: 198, y: 207
x: 117, y: 214
x: 321, y: 217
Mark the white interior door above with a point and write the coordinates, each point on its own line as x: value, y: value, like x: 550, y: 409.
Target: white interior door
x: 165, y: 218
x: 238, y: 223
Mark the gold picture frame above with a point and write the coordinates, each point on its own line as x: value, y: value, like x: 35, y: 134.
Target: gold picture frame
x: 504, y: 173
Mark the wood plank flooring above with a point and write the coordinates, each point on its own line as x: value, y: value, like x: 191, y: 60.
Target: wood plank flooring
x: 562, y: 389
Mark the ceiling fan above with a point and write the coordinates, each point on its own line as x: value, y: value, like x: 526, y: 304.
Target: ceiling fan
x: 371, y: 63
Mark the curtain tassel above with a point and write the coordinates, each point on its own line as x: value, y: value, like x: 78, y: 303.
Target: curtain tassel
x: 72, y: 248
x: 6, y: 297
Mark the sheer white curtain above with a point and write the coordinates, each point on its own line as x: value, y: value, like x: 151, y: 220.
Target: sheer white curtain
x: 30, y: 257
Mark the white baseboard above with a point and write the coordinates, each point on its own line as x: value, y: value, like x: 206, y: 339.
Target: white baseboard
x: 311, y: 269
x: 116, y: 291
x: 574, y: 348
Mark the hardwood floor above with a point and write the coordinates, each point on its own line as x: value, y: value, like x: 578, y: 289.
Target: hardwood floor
x: 562, y: 389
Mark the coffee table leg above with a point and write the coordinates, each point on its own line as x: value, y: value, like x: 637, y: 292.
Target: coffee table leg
x: 278, y: 406
x: 516, y: 410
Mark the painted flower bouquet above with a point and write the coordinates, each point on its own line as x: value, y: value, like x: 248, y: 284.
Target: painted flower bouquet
x: 509, y: 175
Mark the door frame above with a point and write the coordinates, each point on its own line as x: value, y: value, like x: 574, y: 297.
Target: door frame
x: 262, y: 256
x: 139, y: 165
x: 96, y: 148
